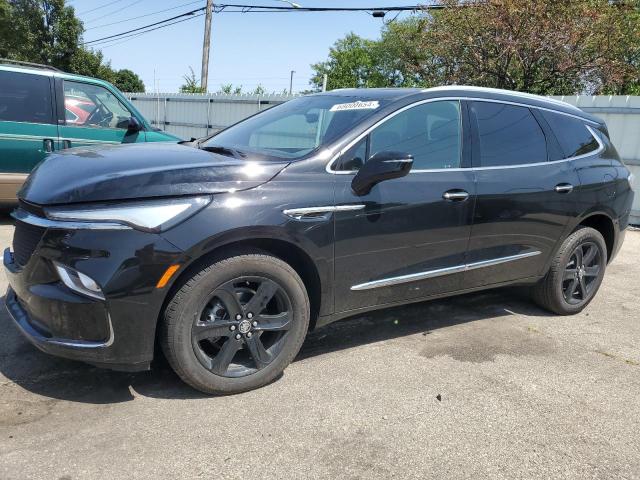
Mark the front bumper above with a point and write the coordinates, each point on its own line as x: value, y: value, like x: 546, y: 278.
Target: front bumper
x: 118, y: 332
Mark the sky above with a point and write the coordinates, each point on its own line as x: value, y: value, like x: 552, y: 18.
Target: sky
x: 247, y: 49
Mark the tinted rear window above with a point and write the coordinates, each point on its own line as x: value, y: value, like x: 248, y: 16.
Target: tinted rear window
x: 574, y: 137
x: 508, y: 135
x: 25, y: 98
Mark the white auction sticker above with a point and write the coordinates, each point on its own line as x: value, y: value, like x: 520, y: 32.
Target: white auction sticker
x: 358, y: 105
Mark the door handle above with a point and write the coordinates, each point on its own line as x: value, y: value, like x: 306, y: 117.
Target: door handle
x: 564, y: 188
x: 455, y: 195
x: 47, y: 144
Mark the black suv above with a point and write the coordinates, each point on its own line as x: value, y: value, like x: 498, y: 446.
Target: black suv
x: 226, y: 250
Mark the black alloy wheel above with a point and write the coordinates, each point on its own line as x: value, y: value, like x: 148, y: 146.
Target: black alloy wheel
x: 581, y: 273
x: 242, y: 327
x: 237, y: 323
x: 575, y: 275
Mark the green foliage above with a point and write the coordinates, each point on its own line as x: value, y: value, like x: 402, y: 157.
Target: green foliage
x: 128, y: 81
x: 229, y: 89
x: 546, y: 47
x: 49, y: 33
x: 92, y: 64
x: 191, y: 84
x: 40, y: 31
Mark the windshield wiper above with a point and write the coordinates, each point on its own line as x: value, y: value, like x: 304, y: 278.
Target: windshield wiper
x: 229, y: 152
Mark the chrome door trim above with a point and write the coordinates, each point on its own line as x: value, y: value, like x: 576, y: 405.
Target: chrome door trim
x: 498, y: 261
x: 455, y: 195
x: 387, y: 282
x: 564, y: 188
x: 471, y: 99
x: 301, y: 213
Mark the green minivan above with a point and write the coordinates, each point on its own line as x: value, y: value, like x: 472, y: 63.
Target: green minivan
x: 44, y: 110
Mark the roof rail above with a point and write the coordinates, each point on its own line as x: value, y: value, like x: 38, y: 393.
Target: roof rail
x: 29, y: 64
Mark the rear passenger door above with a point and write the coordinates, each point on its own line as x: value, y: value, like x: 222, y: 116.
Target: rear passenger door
x: 93, y: 115
x: 524, y: 193
x: 27, y: 126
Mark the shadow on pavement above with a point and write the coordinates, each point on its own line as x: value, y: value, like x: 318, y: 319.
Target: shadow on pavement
x: 24, y: 365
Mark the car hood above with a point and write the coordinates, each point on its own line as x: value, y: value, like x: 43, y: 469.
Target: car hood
x: 122, y: 172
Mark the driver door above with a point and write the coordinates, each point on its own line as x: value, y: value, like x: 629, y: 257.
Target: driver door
x: 408, y: 237
x: 92, y: 116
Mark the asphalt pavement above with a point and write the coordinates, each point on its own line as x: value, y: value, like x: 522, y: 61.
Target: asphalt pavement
x: 479, y: 386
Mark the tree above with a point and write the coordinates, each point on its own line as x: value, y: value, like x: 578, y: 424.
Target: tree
x: 546, y: 47
x: 127, y: 81
x: 191, y: 85
x: 48, y: 32
x: 91, y: 63
x: 41, y: 31
x: 353, y: 62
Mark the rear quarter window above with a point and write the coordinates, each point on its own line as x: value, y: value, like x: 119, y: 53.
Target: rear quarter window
x: 25, y: 98
x: 572, y: 134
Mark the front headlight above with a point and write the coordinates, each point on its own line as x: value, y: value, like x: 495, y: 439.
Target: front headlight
x: 147, y: 215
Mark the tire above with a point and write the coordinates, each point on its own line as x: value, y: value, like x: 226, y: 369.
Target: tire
x: 202, y: 327
x: 557, y: 291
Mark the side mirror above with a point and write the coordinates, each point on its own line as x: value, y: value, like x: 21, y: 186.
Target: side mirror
x: 134, y: 125
x: 381, y: 166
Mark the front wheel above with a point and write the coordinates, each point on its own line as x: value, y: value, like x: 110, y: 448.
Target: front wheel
x: 236, y: 324
x: 575, y: 275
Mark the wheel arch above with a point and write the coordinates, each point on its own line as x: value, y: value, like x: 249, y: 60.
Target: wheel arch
x: 603, y: 223
x: 284, y: 249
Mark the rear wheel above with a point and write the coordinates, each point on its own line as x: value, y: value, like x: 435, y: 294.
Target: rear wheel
x: 575, y: 275
x: 236, y: 324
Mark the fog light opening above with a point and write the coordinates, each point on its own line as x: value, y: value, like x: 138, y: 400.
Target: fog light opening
x: 79, y: 282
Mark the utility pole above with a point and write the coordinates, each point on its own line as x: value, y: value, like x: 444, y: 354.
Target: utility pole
x: 204, y: 76
x: 291, y: 82
x: 324, y: 82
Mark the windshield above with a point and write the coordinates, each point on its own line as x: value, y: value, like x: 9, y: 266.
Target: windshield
x: 295, y: 128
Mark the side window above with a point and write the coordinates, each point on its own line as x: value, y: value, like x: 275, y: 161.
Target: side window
x: 508, y: 135
x: 572, y: 134
x: 431, y: 132
x: 25, y: 98
x: 89, y: 105
x: 353, y: 158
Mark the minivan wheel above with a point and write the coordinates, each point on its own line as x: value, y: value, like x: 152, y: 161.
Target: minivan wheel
x: 575, y: 275
x: 236, y: 324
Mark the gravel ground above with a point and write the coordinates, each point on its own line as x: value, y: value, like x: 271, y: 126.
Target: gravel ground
x: 479, y: 386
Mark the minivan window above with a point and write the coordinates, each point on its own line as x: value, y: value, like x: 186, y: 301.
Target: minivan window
x: 89, y: 105
x: 574, y: 137
x: 297, y: 127
x: 507, y: 135
x: 430, y: 132
x: 25, y: 98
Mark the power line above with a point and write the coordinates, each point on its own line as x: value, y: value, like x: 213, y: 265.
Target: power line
x: 261, y: 8
x: 142, y: 16
x: 115, y: 41
x: 192, y: 12
x: 100, y: 7
x: 112, y: 12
